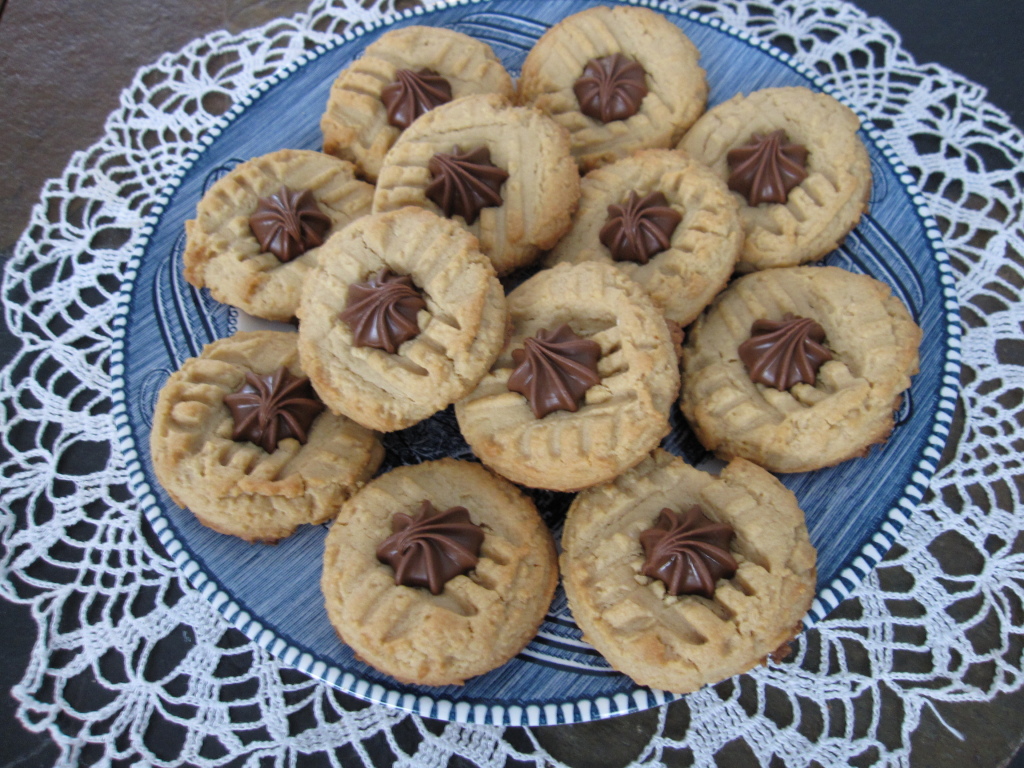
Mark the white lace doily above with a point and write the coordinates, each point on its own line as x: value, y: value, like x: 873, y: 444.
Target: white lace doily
x: 132, y: 664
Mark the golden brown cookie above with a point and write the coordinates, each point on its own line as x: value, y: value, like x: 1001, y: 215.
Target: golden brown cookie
x: 619, y: 419
x: 514, y: 162
x: 681, y: 257
x: 618, y: 79
x: 454, y: 314
x: 480, y: 618
x: 374, y: 98
x: 238, y: 487
x: 222, y: 251
x: 684, y: 641
x: 873, y: 343
x: 820, y: 209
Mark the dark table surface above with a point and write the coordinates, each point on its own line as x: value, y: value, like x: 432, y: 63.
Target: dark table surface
x: 63, y: 64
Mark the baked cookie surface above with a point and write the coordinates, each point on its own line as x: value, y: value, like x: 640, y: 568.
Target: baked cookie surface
x: 237, y: 487
x: 682, y: 642
x: 525, y: 212
x: 873, y: 343
x: 481, y: 618
x: 457, y: 327
x: 647, y: 108
x: 222, y: 252
x: 356, y: 124
x: 700, y: 249
x: 822, y: 208
x: 619, y: 419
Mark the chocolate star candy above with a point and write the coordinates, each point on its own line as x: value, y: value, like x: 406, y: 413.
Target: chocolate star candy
x: 269, y: 409
x: 382, y: 311
x: 413, y: 94
x: 611, y: 88
x: 639, y: 228
x: 783, y: 353
x: 688, y: 552
x: 289, y: 223
x: 464, y: 183
x: 766, y: 169
x: 554, y: 370
x: 430, y: 548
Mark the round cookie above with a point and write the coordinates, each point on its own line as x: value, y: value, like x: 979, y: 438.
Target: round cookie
x: 702, y: 249
x: 239, y: 488
x: 621, y: 418
x: 223, y: 254
x: 534, y: 203
x: 821, y: 209
x: 676, y: 89
x: 873, y: 342
x: 481, y: 619
x: 681, y: 642
x: 356, y: 125
x: 459, y: 327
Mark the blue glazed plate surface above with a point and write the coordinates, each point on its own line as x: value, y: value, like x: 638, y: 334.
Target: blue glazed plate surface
x: 271, y: 593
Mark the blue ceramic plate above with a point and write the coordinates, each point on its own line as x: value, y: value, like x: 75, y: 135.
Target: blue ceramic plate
x: 271, y: 593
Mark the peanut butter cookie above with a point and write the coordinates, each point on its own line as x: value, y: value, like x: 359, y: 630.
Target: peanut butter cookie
x: 241, y: 440
x: 503, y: 172
x: 618, y: 79
x: 258, y: 230
x: 663, y: 219
x: 438, y: 572
x: 583, y: 388
x: 681, y: 578
x: 796, y: 165
x: 798, y: 368
x: 403, y: 317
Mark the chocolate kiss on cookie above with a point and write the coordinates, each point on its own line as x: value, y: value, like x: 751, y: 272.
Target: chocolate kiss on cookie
x: 679, y: 600
x: 430, y: 548
x: 432, y: 592
x: 582, y: 390
x: 272, y: 408
x: 394, y: 349
x: 414, y: 94
x: 784, y: 353
x: 464, y: 183
x: 382, y: 311
x: 554, y: 369
x: 289, y: 223
x: 640, y: 227
x: 240, y: 438
x: 611, y: 88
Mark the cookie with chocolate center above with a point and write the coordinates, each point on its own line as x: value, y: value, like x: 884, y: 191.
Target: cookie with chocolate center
x: 241, y: 439
x: 796, y: 167
x: 682, y: 578
x: 401, y: 76
x: 618, y: 79
x: 583, y: 388
x: 798, y: 368
x: 504, y: 173
x: 664, y: 220
x: 258, y: 230
x: 438, y: 572
x: 402, y: 318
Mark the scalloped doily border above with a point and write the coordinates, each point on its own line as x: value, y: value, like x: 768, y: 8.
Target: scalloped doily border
x: 584, y: 710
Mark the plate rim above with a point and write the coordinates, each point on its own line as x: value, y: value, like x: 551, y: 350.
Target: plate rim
x: 861, y: 562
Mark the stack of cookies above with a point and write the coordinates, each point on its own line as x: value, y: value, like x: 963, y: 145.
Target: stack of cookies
x: 629, y: 219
